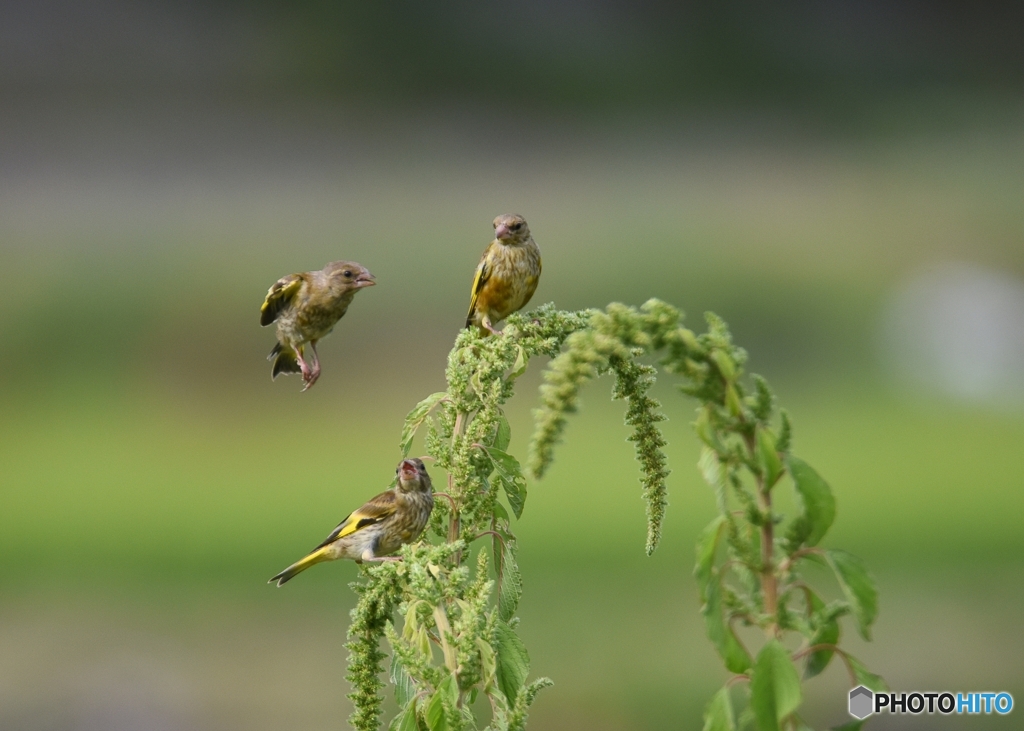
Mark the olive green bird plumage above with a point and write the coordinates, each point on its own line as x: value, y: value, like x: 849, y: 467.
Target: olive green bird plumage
x: 384, y: 524
x: 306, y: 307
x: 506, y: 276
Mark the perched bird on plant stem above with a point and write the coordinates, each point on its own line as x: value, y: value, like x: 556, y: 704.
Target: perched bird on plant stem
x: 306, y: 307
x: 384, y: 524
x: 507, y: 275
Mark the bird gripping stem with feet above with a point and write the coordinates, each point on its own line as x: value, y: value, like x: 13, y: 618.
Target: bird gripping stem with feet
x: 379, y: 528
x: 506, y: 276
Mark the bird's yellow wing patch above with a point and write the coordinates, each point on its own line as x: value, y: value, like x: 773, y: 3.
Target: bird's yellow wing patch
x: 279, y: 296
x: 374, y: 511
x: 483, y: 271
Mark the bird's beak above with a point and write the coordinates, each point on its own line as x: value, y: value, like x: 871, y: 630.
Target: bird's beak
x: 408, y: 470
x: 501, y: 232
x: 366, y: 280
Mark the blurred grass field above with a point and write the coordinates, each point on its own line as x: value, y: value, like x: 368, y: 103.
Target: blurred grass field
x: 153, y: 477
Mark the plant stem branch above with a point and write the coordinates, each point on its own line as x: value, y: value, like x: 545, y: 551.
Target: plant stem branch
x: 454, y: 524
x: 769, y: 581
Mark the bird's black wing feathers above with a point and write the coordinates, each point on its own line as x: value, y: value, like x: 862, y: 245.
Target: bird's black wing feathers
x: 279, y: 296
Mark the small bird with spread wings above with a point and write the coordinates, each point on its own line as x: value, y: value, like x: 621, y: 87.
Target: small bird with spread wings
x: 384, y: 524
x: 507, y: 275
x: 306, y: 307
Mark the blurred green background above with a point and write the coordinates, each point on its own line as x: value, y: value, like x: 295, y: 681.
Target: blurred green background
x: 840, y: 181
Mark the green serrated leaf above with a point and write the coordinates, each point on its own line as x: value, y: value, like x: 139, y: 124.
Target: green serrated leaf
x: 510, y: 475
x: 710, y: 468
x: 774, y: 687
x: 406, y: 719
x: 858, y: 587
x: 405, y: 689
x: 768, y: 455
x: 733, y: 654
x: 817, y: 606
x: 500, y: 512
x: 819, y: 506
x: 488, y: 664
x: 817, y: 661
x: 706, y: 547
x: 519, y: 367
x: 511, y: 585
x: 435, y: 716
x: 434, y: 713
x: 718, y: 715
x: 416, y: 417
x: 503, y: 435
x: 865, y: 677
x: 706, y: 431
x: 513, y: 661
x: 468, y: 720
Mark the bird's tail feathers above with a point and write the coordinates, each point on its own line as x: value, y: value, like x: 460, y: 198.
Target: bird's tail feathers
x: 321, y: 554
x: 285, y: 361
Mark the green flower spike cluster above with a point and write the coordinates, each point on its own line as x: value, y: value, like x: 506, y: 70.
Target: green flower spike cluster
x: 611, y: 344
x: 457, y: 657
x: 455, y: 646
x: 748, y: 571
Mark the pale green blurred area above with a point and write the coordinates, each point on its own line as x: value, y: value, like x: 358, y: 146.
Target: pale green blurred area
x: 152, y: 477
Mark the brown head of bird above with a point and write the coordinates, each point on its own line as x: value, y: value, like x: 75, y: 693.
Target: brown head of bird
x: 344, y: 276
x: 413, y: 477
x: 511, y: 229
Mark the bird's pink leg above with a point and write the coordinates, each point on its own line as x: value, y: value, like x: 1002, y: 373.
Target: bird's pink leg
x: 303, y: 366
x: 368, y: 556
x: 314, y: 373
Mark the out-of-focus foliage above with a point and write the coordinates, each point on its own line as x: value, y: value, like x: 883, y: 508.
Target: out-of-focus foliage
x: 760, y: 582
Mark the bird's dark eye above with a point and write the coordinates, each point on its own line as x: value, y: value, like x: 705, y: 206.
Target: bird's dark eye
x: 516, y: 226
x: 347, y: 273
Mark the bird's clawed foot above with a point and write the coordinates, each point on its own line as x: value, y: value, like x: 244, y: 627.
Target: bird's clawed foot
x: 310, y: 373
x: 308, y: 379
